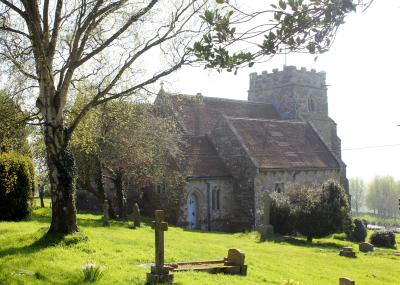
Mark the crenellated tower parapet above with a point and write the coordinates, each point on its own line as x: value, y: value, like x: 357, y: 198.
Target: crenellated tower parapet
x: 294, y: 92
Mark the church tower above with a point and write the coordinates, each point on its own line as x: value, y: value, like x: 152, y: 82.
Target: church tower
x: 299, y: 95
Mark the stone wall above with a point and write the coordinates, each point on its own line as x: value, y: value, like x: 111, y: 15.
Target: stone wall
x: 243, y: 170
x: 265, y: 182
x: 208, y: 218
x: 87, y: 202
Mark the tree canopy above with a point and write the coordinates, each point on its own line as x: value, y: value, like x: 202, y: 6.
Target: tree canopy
x: 13, y: 129
x: 239, y: 37
x: 124, y: 142
x: 382, y: 196
x: 357, y: 192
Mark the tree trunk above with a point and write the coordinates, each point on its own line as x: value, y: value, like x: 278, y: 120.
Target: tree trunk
x: 120, y: 194
x: 61, y: 165
x: 309, y: 239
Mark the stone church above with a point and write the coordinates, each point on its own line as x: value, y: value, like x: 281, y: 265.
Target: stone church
x: 237, y: 151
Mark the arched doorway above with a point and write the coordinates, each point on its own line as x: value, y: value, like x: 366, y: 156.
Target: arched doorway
x: 192, y: 211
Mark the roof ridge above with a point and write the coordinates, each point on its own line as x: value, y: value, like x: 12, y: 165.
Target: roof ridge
x: 210, y: 98
x: 266, y: 120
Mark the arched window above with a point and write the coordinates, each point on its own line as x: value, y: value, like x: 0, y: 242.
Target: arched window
x: 215, y: 199
x: 311, y: 105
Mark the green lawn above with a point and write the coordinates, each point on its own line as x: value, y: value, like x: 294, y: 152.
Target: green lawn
x: 28, y: 258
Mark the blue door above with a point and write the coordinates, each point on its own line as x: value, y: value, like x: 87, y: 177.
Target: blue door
x: 192, y: 211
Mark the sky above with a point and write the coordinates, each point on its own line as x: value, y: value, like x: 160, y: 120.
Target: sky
x: 363, y: 74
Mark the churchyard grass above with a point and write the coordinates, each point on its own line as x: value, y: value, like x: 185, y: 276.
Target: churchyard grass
x: 124, y: 254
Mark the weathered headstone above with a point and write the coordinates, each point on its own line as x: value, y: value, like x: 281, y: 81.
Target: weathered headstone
x: 347, y: 252
x: 266, y: 228
x: 136, y: 215
x: 346, y: 281
x: 159, y: 273
x: 106, y: 217
x: 365, y: 247
x: 235, y: 257
x: 124, y: 207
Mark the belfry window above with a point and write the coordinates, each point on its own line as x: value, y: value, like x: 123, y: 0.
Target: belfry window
x: 311, y: 105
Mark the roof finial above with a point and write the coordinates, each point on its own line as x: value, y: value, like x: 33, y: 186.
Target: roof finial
x: 162, y: 91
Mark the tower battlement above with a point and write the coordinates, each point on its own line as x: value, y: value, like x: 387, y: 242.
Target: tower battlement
x: 288, y: 76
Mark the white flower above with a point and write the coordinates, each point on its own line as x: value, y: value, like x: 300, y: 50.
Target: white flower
x: 89, y: 266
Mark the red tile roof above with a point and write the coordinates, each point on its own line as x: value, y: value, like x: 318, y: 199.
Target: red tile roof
x: 200, y: 114
x: 276, y: 144
x: 201, y: 159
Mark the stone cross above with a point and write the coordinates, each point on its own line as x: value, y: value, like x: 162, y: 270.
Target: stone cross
x: 159, y: 227
x: 267, y: 209
x: 136, y: 215
x: 106, y: 217
x: 160, y: 273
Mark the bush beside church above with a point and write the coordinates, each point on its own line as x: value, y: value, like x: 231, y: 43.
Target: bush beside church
x: 313, y: 211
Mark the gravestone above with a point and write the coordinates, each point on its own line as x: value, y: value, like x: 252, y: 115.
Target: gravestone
x: 106, y: 217
x: 365, y: 247
x: 346, y: 281
x: 266, y: 228
x: 347, y: 252
x: 136, y: 215
x: 159, y: 273
x: 124, y: 207
x: 235, y: 257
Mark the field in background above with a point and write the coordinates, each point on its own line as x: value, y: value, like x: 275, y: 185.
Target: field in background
x: 378, y: 220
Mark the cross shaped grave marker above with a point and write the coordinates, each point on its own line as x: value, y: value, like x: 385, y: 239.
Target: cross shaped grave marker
x: 159, y: 273
x: 159, y: 227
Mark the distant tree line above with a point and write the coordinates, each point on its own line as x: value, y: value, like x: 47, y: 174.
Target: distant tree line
x: 381, y: 195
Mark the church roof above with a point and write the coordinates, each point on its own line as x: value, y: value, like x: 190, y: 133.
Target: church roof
x: 199, y: 114
x: 275, y: 144
x: 201, y: 159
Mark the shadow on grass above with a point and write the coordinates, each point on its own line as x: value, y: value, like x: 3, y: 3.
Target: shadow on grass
x: 44, y: 240
x: 301, y: 242
x: 43, y: 215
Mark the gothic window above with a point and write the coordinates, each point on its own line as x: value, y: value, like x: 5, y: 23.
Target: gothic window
x: 215, y: 199
x: 279, y: 187
x: 311, y: 105
x: 160, y: 188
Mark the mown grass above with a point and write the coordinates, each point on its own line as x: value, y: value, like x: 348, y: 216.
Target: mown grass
x: 28, y: 256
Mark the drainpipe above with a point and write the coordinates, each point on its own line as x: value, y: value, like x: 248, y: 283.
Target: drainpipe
x: 208, y: 207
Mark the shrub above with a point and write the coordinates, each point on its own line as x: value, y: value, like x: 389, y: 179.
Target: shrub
x: 319, y: 211
x: 306, y: 211
x: 359, y: 233
x: 383, y: 238
x: 280, y: 214
x: 17, y: 186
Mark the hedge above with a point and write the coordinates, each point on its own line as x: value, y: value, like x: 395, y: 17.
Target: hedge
x: 17, y: 186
